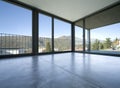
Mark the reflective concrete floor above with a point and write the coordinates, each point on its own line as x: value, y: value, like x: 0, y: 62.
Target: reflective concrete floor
x: 68, y: 70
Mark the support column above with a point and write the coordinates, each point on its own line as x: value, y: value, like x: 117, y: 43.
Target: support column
x: 84, y: 44
x: 35, y: 32
x: 52, y: 34
x: 73, y: 37
x: 89, y: 41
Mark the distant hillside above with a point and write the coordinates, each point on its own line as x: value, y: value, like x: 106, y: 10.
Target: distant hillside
x: 64, y: 37
x: 63, y: 42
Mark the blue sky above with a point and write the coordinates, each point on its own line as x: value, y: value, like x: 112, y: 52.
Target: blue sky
x: 109, y: 31
x: 14, y: 19
x: 18, y: 20
x: 61, y: 27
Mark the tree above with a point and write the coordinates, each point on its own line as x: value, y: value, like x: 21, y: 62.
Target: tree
x: 48, y: 48
x: 107, y: 44
x: 95, y: 45
x: 101, y: 46
x: 115, y: 42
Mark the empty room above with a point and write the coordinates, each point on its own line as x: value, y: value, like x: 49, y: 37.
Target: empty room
x: 59, y: 43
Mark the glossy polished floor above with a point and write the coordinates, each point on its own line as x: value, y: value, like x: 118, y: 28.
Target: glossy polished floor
x: 68, y: 70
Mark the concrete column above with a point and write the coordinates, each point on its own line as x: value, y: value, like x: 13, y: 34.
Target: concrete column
x: 73, y: 37
x: 89, y: 41
x: 84, y: 35
x: 52, y: 34
x: 35, y: 32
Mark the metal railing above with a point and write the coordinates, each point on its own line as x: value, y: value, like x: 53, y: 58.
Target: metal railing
x: 21, y: 44
x: 15, y: 44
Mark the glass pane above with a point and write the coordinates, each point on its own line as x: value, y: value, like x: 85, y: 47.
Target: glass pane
x: 62, y: 36
x: 45, y: 34
x: 78, y: 38
x: 15, y: 29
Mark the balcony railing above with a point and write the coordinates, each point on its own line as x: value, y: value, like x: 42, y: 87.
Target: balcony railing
x: 15, y: 44
x: 21, y: 44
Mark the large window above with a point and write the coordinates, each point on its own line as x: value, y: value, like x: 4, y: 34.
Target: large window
x: 78, y: 38
x: 62, y: 36
x: 15, y: 29
x: 45, y: 34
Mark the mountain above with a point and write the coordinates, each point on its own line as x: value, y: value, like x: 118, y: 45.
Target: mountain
x: 64, y: 37
x: 62, y: 43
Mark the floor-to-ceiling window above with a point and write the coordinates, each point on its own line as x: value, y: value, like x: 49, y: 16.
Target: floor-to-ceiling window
x: 62, y: 35
x: 45, y: 34
x: 15, y: 29
x: 78, y: 38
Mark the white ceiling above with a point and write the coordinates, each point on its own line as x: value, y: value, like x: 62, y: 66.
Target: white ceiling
x: 71, y: 10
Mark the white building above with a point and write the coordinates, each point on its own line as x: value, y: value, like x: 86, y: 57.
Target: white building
x: 4, y: 51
